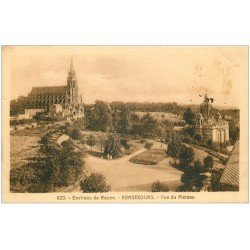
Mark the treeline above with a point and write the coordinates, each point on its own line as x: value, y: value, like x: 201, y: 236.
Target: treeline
x: 170, y: 107
x: 120, y: 119
x: 17, y: 106
x: 56, y: 166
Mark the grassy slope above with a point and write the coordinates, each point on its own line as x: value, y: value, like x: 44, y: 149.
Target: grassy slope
x: 150, y: 157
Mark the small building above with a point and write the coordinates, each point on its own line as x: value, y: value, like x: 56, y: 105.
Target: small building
x: 210, y: 128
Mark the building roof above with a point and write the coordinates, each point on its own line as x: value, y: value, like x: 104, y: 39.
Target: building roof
x: 212, y: 122
x: 230, y: 175
x: 50, y: 90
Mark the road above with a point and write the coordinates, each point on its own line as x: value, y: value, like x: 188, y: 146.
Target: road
x: 123, y: 175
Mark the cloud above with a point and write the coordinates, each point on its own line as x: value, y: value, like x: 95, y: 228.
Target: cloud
x: 143, y: 73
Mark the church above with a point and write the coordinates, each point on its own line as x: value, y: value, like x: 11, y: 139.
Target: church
x: 211, y: 128
x: 56, y: 99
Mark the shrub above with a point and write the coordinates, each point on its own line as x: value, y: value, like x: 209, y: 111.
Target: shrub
x: 95, y: 183
x: 208, y: 162
x: 159, y: 187
x: 76, y: 134
x: 148, y: 145
x: 190, y: 131
x: 124, y: 143
x: 197, y: 137
x: 91, y: 141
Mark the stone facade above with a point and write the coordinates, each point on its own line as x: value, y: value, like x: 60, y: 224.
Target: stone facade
x: 211, y: 128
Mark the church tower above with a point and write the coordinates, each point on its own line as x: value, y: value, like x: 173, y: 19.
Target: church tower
x: 74, y: 100
x: 72, y: 85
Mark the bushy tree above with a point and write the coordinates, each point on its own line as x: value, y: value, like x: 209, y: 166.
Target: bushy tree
x: 148, y: 145
x: 124, y: 125
x: 91, y: 141
x: 56, y: 166
x: 99, y: 117
x: 189, y: 116
x: 173, y: 149
x: 234, y: 132
x: 95, y: 183
x: 68, y: 144
x: 198, y: 137
x: 112, y: 147
x: 159, y: 187
x: 76, y: 134
x: 150, y: 127
x: 190, y: 131
x: 186, y: 156
x: 208, y: 162
x: 192, y: 177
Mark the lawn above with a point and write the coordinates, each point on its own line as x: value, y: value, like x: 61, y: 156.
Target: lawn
x: 150, y: 157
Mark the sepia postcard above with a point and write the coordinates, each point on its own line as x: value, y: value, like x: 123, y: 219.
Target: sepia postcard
x: 125, y: 124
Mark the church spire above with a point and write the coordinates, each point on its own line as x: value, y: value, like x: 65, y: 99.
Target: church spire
x: 71, y: 65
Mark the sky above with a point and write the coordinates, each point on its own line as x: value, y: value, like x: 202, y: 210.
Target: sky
x: 135, y: 73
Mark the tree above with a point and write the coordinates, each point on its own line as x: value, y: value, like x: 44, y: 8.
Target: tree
x: 208, y: 162
x: 190, y: 131
x: 150, y: 127
x: 189, y: 116
x: 198, y: 137
x: 103, y: 117
x: 159, y: 187
x: 192, y: 177
x: 234, y: 132
x: 56, y: 166
x: 99, y: 117
x: 91, y: 141
x: 186, y: 156
x: 124, y: 124
x: 76, y: 134
x: 112, y: 147
x: 95, y: 183
x: 173, y: 149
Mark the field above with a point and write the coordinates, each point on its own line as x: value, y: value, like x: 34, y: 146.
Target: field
x: 22, y: 148
x: 149, y: 157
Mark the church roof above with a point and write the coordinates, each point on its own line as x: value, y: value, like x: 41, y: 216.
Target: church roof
x: 49, y: 90
x: 230, y: 175
x: 213, y: 122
